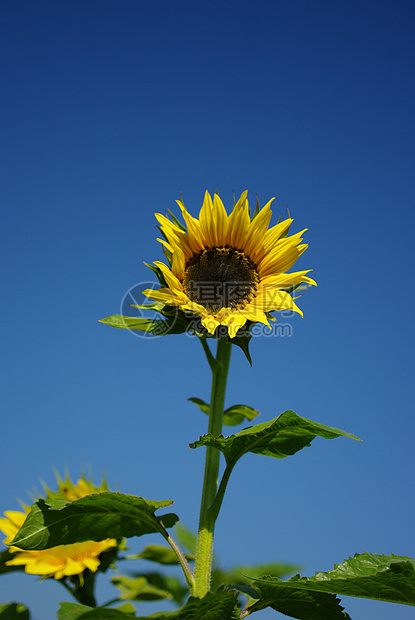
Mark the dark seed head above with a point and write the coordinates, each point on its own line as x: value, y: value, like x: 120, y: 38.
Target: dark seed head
x: 220, y: 278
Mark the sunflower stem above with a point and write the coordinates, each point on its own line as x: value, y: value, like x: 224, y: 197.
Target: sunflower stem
x: 210, y: 358
x: 207, y: 520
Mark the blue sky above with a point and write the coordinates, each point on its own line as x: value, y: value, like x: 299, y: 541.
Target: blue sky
x: 109, y: 111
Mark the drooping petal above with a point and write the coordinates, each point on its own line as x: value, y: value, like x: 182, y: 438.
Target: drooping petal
x: 210, y: 323
x: 234, y: 323
x: 163, y: 294
x: 286, y: 280
x: 275, y: 299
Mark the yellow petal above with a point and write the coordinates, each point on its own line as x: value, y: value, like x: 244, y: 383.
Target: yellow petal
x: 274, y: 299
x: 221, y: 220
x: 238, y: 224
x: 195, y: 238
x: 234, y: 323
x: 258, y: 227
x: 207, y: 222
x: 172, y: 281
x: 286, y: 280
x: 163, y: 294
x: 210, y: 323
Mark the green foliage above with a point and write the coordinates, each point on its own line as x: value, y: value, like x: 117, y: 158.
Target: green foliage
x: 138, y: 589
x: 301, y: 604
x: 159, y: 554
x: 279, y: 438
x: 158, y: 273
x: 157, y: 327
x: 203, y: 406
x: 150, y: 587
x: 219, y: 605
x: 242, y: 340
x: 14, y: 611
x: 238, y: 413
x: 186, y: 537
x: 243, y: 575
x: 93, y: 517
x: 76, y: 611
x: 232, y: 415
x: 366, y: 575
x: 5, y: 556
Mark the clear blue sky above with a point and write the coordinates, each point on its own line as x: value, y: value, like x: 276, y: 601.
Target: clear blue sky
x: 108, y: 111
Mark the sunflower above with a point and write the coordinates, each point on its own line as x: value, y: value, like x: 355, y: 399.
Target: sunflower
x: 229, y: 269
x: 69, y: 491
x: 63, y: 560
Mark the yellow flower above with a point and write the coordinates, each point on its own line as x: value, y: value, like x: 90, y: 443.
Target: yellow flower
x: 69, y: 491
x: 62, y: 560
x: 229, y: 269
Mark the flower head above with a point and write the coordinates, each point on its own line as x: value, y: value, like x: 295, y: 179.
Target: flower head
x: 229, y: 269
x: 69, y: 491
x: 63, y: 560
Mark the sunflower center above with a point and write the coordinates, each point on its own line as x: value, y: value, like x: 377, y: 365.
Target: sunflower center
x: 220, y: 278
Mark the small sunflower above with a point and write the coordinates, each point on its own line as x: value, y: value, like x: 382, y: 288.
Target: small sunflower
x: 63, y: 560
x: 229, y: 269
x: 69, y: 491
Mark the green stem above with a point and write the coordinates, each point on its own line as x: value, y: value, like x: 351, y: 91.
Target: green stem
x: 83, y: 594
x: 183, y: 563
x: 215, y: 507
x: 180, y: 556
x: 204, y: 550
x: 211, y: 360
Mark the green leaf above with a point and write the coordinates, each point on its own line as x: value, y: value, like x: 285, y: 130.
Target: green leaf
x: 156, y: 306
x: 158, y: 327
x: 279, y: 438
x: 219, y: 605
x: 301, y: 604
x: 5, y: 556
x: 158, y: 272
x: 205, y: 407
x: 242, y: 339
x: 160, y: 555
x: 186, y: 537
x: 76, y: 611
x: 232, y: 416
x: 93, y: 517
x: 366, y: 575
x: 238, y: 413
x: 139, y: 589
x: 14, y: 611
x: 243, y: 575
x: 150, y: 587
x: 257, y: 209
x: 176, y: 221
x: 126, y: 608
